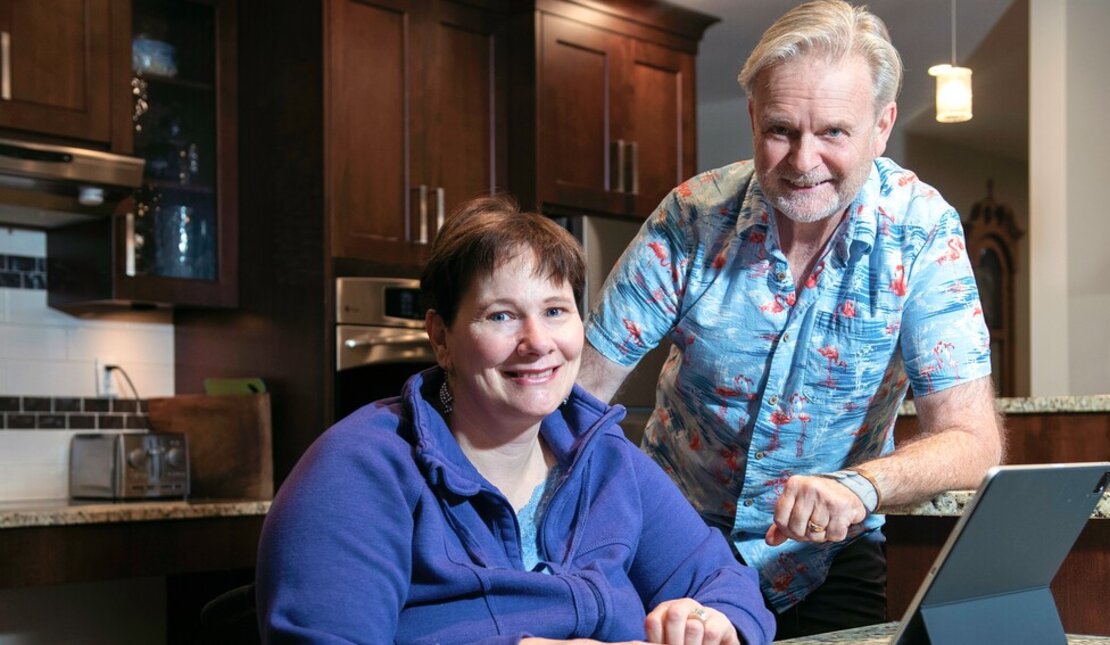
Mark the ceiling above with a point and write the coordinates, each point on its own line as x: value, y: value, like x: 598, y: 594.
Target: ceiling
x: 991, y: 37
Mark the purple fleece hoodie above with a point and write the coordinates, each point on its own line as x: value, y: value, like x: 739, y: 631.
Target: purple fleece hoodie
x: 384, y: 532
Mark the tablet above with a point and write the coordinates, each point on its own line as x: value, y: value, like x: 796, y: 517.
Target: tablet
x: 990, y: 582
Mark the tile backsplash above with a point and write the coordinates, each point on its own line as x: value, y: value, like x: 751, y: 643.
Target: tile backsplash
x: 71, y: 413
x: 48, y: 374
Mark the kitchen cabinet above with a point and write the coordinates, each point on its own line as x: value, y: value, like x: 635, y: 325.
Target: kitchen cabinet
x: 416, y: 102
x: 174, y: 243
x: 56, y: 60
x: 614, y: 105
x: 354, y: 113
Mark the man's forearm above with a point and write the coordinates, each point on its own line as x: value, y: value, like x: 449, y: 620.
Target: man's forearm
x: 961, y: 439
x: 599, y: 375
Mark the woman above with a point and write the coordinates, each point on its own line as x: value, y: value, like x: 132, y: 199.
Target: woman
x: 494, y: 501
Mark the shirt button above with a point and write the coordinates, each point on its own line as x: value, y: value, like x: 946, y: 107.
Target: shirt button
x: 780, y: 276
x: 774, y: 400
x: 786, y: 337
x: 749, y: 502
x: 759, y: 455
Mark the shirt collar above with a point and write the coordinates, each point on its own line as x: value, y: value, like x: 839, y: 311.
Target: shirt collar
x: 863, y: 215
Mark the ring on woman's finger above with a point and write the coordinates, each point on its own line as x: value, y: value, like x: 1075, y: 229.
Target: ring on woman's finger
x: 701, y: 614
x: 815, y: 527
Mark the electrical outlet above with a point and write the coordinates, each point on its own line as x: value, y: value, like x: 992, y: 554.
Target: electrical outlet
x: 105, y: 379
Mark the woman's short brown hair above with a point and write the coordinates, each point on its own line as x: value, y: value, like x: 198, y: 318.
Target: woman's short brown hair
x: 484, y: 233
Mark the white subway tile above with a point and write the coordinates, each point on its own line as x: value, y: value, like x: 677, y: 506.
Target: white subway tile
x: 28, y: 307
x: 151, y: 379
x: 49, y: 378
x: 14, y: 241
x: 23, y: 341
x: 127, y: 344
x: 35, y: 464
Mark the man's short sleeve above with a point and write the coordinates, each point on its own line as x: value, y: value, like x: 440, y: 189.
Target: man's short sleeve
x: 639, y: 303
x: 945, y: 340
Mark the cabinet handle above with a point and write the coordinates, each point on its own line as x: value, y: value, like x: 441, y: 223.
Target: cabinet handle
x: 5, y: 66
x: 399, y: 339
x: 616, y: 165
x: 129, y: 244
x: 441, y: 205
x: 422, y: 209
x: 632, y: 181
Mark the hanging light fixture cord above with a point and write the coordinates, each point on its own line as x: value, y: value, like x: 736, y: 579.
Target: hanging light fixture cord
x: 953, y: 33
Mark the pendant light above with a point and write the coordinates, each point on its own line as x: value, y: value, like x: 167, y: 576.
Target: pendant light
x: 953, y: 85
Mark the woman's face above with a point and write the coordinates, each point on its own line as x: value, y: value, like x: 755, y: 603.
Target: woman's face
x: 514, y: 349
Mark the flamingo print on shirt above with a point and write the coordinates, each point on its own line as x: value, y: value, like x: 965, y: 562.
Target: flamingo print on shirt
x: 892, y: 302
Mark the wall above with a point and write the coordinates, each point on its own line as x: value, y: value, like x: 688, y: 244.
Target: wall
x: 47, y: 358
x: 963, y: 173
x: 1088, y: 223
x: 1069, y: 227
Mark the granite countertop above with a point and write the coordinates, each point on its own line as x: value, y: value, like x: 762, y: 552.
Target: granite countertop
x: 1038, y: 405
x: 68, y: 512
x: 880, y: 635
x: 65, y: 512
x: 953, y: 503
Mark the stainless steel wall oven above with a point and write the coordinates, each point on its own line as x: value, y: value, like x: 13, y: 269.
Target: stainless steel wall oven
x: 380, y: 339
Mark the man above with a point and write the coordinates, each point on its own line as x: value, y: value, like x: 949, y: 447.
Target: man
x: 802, y: 294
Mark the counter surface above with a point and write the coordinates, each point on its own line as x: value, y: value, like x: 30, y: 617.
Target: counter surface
x: 953, y: 503
x: 70, y: 512
x: 1038, y: 404
x: 881, y: 634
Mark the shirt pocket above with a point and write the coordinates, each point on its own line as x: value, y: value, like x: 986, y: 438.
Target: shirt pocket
x: 847, y: 358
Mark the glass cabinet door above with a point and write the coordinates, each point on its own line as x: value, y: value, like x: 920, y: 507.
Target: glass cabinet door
x: 180, y: 231
x: 172, y: 57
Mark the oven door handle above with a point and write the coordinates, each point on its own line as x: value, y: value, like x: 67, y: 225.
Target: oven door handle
x: 397, y: 339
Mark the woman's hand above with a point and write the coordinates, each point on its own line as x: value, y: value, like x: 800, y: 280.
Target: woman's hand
x: 687, y: 622
x: 575, y: 642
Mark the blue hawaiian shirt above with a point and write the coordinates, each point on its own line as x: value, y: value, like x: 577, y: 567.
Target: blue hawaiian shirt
x: 767, y: 378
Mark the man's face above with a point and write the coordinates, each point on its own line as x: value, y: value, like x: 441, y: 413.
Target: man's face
x: 816, y: 134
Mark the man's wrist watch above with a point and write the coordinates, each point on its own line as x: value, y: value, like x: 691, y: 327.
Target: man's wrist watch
x: 864, y: 487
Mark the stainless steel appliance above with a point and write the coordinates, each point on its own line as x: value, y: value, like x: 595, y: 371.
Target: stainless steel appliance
x: 129, y: 465
x: 45, y: 186
x: 604, y: 240
x: 380, y: 339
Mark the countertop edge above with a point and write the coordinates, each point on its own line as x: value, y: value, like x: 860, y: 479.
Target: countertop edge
x: 1038, y: 405
x: 47, y: 513
x: 62, y: 513
x: 953, y: 503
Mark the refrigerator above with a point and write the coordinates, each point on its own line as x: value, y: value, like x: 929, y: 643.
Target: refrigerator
x: 604, y: 239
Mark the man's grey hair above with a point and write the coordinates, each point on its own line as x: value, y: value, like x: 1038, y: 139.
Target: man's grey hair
x: 831, y: 29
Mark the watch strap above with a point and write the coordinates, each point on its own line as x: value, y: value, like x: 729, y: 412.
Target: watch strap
x: 855, y: 481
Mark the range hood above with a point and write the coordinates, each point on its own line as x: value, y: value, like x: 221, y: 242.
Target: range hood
x: 45, y: 186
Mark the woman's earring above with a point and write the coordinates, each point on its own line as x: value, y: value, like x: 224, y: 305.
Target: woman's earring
x: 446, y: 400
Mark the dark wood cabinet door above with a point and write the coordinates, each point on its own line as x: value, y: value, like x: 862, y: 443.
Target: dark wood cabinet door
x: 416, y: 104
x: 464, y: 128
x: 580, y: 72
x: 55, y: 67
x: 658, y: 123
x: 373, y: 97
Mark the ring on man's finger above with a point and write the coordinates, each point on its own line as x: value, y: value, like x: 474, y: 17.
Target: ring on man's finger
x: 815, y: 527
x: 701, y: 614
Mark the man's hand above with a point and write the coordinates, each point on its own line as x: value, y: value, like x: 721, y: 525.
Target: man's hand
x: 814, y: 509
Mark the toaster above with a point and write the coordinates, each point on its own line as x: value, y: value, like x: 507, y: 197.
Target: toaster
x: 129, y: 465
